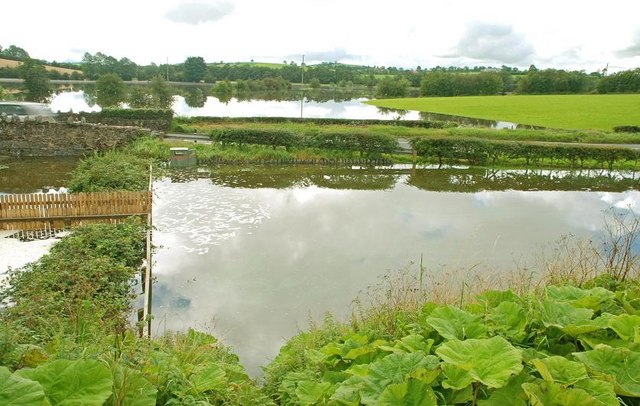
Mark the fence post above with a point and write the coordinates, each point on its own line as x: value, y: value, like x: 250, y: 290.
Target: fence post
x: 146, y: 310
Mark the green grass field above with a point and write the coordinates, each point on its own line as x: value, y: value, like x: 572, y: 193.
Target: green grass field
x: 601, y: 112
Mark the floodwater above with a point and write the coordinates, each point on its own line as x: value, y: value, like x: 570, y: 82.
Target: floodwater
x: 350, y: 108
x: 253, y: 254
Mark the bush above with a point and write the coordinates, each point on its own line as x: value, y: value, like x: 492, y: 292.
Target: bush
x: 111, y: 171
x: 476, y: 151
x: 626, y: 129
x: 239, y: 136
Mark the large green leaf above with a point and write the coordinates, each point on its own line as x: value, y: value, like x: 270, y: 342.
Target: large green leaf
x: 627, y: 327
x: 577, y: 297
x: 509, y: 319
x: 491, y: 361
x: 312, y: 393
x: 602, y: 391
x: 80, y: 382
x: 210, y: 378
x: 511, y: 394
x: 571, y: 320
x: 132, y: 389
x: 455, y: 377
x: 392, y: 369
x: 560, y: 370
x: 411, y: 393
x: 348, y: 392
x: 616, y: 365
x: 543, y: 393
x: 453, y: 323
x: 18, y: 391
x: 493, y: 298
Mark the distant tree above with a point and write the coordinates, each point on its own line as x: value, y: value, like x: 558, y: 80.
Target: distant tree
x: 627, y: 81
x: 195, y: 69
x: 139, y: 97
x: 161, y: 93
x: 222, y: 90
x: 314, y: 83
x: 392, y: 86
x: 437, y: 83
x: 126, y: 69
x: 36, y: 82
x: 14, y: 52
x: 554, y: 81
x: 1, y: 93
x: 195, y: 98
x: 110, y: 90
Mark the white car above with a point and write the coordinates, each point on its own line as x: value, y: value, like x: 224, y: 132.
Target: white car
x: 27, y: 110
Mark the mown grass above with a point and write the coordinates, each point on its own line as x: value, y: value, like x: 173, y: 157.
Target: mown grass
x: 602, y: 112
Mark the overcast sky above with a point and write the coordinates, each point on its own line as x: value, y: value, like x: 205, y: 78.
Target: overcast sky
x: 582, y: 35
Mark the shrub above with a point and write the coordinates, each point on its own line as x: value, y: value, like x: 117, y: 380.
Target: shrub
x: 111, y: 171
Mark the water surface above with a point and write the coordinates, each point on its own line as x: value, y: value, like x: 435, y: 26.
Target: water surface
x: 253, y: 254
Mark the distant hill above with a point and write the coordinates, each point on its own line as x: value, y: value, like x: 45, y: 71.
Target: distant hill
x: 8, y: 63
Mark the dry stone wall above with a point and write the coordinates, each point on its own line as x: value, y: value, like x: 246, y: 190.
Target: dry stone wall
x: 32, y: 138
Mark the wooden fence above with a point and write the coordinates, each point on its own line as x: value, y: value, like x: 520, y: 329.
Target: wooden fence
x: 57, y: 211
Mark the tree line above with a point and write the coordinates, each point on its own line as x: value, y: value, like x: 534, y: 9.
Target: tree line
x: 386, y: 81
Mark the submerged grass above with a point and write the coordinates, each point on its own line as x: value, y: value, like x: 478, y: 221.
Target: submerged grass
x: 602, y: 112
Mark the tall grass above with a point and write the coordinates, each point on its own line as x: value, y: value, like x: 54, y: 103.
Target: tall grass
x: 396, y: 299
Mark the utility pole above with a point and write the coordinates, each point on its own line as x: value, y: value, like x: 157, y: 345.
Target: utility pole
x: 302, y: 90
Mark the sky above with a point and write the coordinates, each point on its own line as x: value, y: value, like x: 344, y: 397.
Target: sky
x: 574, y: 35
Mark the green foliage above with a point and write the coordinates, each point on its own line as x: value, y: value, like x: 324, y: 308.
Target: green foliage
x: 66, y: 332
x: 36, y: 81
x: 365, y: 144
x: 137, y: 114
x: 16, y: 390
x: 439, y: 84
x: 112, y: 171
x: 502, y: 349
x: 110, y: 90
x: 206, y: 121
x: 85, y: 277
x: 79, y: 382
x: 195, y: 69
x: 555, y: 81
x: 626, y: 129
x: 240, y: 136
x: 627, y: 81
x: 391, y: 86
x: 222, y: 90
x: 477, y: 151
x: 161, y: 93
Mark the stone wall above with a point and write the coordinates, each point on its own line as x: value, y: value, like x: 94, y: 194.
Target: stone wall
x: 158, y: 124
x: 31, y: 138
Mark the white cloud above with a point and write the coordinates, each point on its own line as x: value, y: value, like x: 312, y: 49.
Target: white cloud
x: 199, y: 12
x: 632, y: 50
x: 406, y: 34
x: 495, y: 43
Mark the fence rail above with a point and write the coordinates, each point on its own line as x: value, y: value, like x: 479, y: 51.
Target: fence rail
x: 38, y: 211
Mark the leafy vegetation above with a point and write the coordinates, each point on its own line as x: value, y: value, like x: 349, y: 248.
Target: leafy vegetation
x: 110, y: 90
x: 569, y: 343
x: 114, y: 170
x: 476, y: 151
x: 65, y: 337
